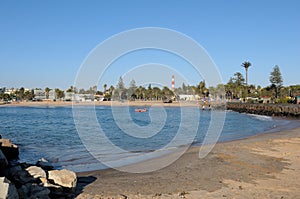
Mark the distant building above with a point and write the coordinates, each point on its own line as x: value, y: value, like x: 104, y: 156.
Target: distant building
x: 39, y: 94
x: 99, y: 97
x: 188, y: 97
x: 10, y: 91
x: 69, y: 96
x: 51, y: 95
x: 84, y: 97
x: 265, y: 100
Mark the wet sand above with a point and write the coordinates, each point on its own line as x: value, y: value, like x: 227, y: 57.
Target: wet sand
x: 263, y: 166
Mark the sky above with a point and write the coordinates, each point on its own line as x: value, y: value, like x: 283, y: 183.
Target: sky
x: 44, y: 43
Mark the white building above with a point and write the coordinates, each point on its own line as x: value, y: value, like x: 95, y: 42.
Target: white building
x: 39, y: 94
x: 69, y: 96
x: 42, y: 95
x: 188, y: 97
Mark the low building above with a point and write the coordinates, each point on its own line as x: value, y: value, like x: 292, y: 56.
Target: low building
x: 188, y: 97
x: 84, y: 97
x: 265, y: 100
x: 39, y: 94
x: 10, y: 91
x: 69, y: 96
x: 51, y: 95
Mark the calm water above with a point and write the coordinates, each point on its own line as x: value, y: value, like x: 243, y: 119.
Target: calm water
x: 50, y: 132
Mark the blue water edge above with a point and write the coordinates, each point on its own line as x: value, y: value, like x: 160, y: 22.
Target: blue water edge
x: 50, y: 132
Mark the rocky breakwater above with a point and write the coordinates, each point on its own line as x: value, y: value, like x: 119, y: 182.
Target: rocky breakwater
x: 40, y: 180
x: 281, y: 110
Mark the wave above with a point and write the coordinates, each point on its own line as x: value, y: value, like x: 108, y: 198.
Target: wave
x: 261, y: 117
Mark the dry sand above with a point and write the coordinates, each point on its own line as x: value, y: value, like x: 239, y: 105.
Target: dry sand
x: 264, y: 166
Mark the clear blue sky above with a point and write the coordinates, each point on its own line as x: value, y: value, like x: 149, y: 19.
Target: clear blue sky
x: 43, y: 43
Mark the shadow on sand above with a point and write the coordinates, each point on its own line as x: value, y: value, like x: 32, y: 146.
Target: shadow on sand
x: 83, y: 182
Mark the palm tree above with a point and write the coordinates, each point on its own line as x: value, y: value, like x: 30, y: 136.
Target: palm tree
x: 246, y: 65
x: 47, y: 90
x: 105, y: 86
x: 111, y: 90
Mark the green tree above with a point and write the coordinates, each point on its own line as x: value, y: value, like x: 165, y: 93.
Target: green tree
x: 276, y: 80
x: 5, y: 96
x: 238, y: 79
x: 235, y: 86
x: 156, y: 92
x: 149, y: 92
x: 121, y: 84
x: 202, y: 88
x: 20, y: 93
x: 104, y: 88
x: 167, y: 93
x: 47, y: 90
x: 246, y: 65
x: 184, y: 88
x: 111, y: 90
x: 72, y: 89
x: 29, y: 95
x: 59, y: 93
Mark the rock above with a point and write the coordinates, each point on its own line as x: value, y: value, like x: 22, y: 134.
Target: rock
x: 20, y: 176
x: 45, y: 164
x: 11, y: 151
x: 8, y: 190
x: 33, y: 191
x: 64, y: 178
x: 23, y: 191
x: 3, y: 163
x: 45, y: 183
x: 37, y: 191
x: 36, y: 172
x: 290, y: 110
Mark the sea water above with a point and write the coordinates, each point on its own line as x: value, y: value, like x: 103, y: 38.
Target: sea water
x: 50, y: 132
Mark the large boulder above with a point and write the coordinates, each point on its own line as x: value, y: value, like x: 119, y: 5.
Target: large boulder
x: 64, y: 178
x: 7, y: 189
x: 3, y: 163
x: 19, y: 176
x: 37, y: 191
x: 45, y: 164
x: 33, y: 191
x: 36, y: 172
x: 11, y: 151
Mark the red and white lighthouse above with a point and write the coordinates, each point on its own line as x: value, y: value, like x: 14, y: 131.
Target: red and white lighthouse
x: 173, y: 83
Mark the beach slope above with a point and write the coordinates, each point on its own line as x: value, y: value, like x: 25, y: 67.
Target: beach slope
x: 263, y: 166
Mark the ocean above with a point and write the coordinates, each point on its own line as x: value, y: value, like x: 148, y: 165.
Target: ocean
x: 51, y: 133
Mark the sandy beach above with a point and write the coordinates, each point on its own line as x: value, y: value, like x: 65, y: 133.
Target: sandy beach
x: 263, y: 166
x: 102, y: 103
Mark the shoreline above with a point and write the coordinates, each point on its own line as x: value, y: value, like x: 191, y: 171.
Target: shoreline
x: 102, y: 103
x: 228, y: 167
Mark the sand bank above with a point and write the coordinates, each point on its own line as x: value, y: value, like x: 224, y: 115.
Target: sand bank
x: 263, y: 166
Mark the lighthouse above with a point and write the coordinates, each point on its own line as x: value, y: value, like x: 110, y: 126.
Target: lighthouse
x: 173, y: 83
